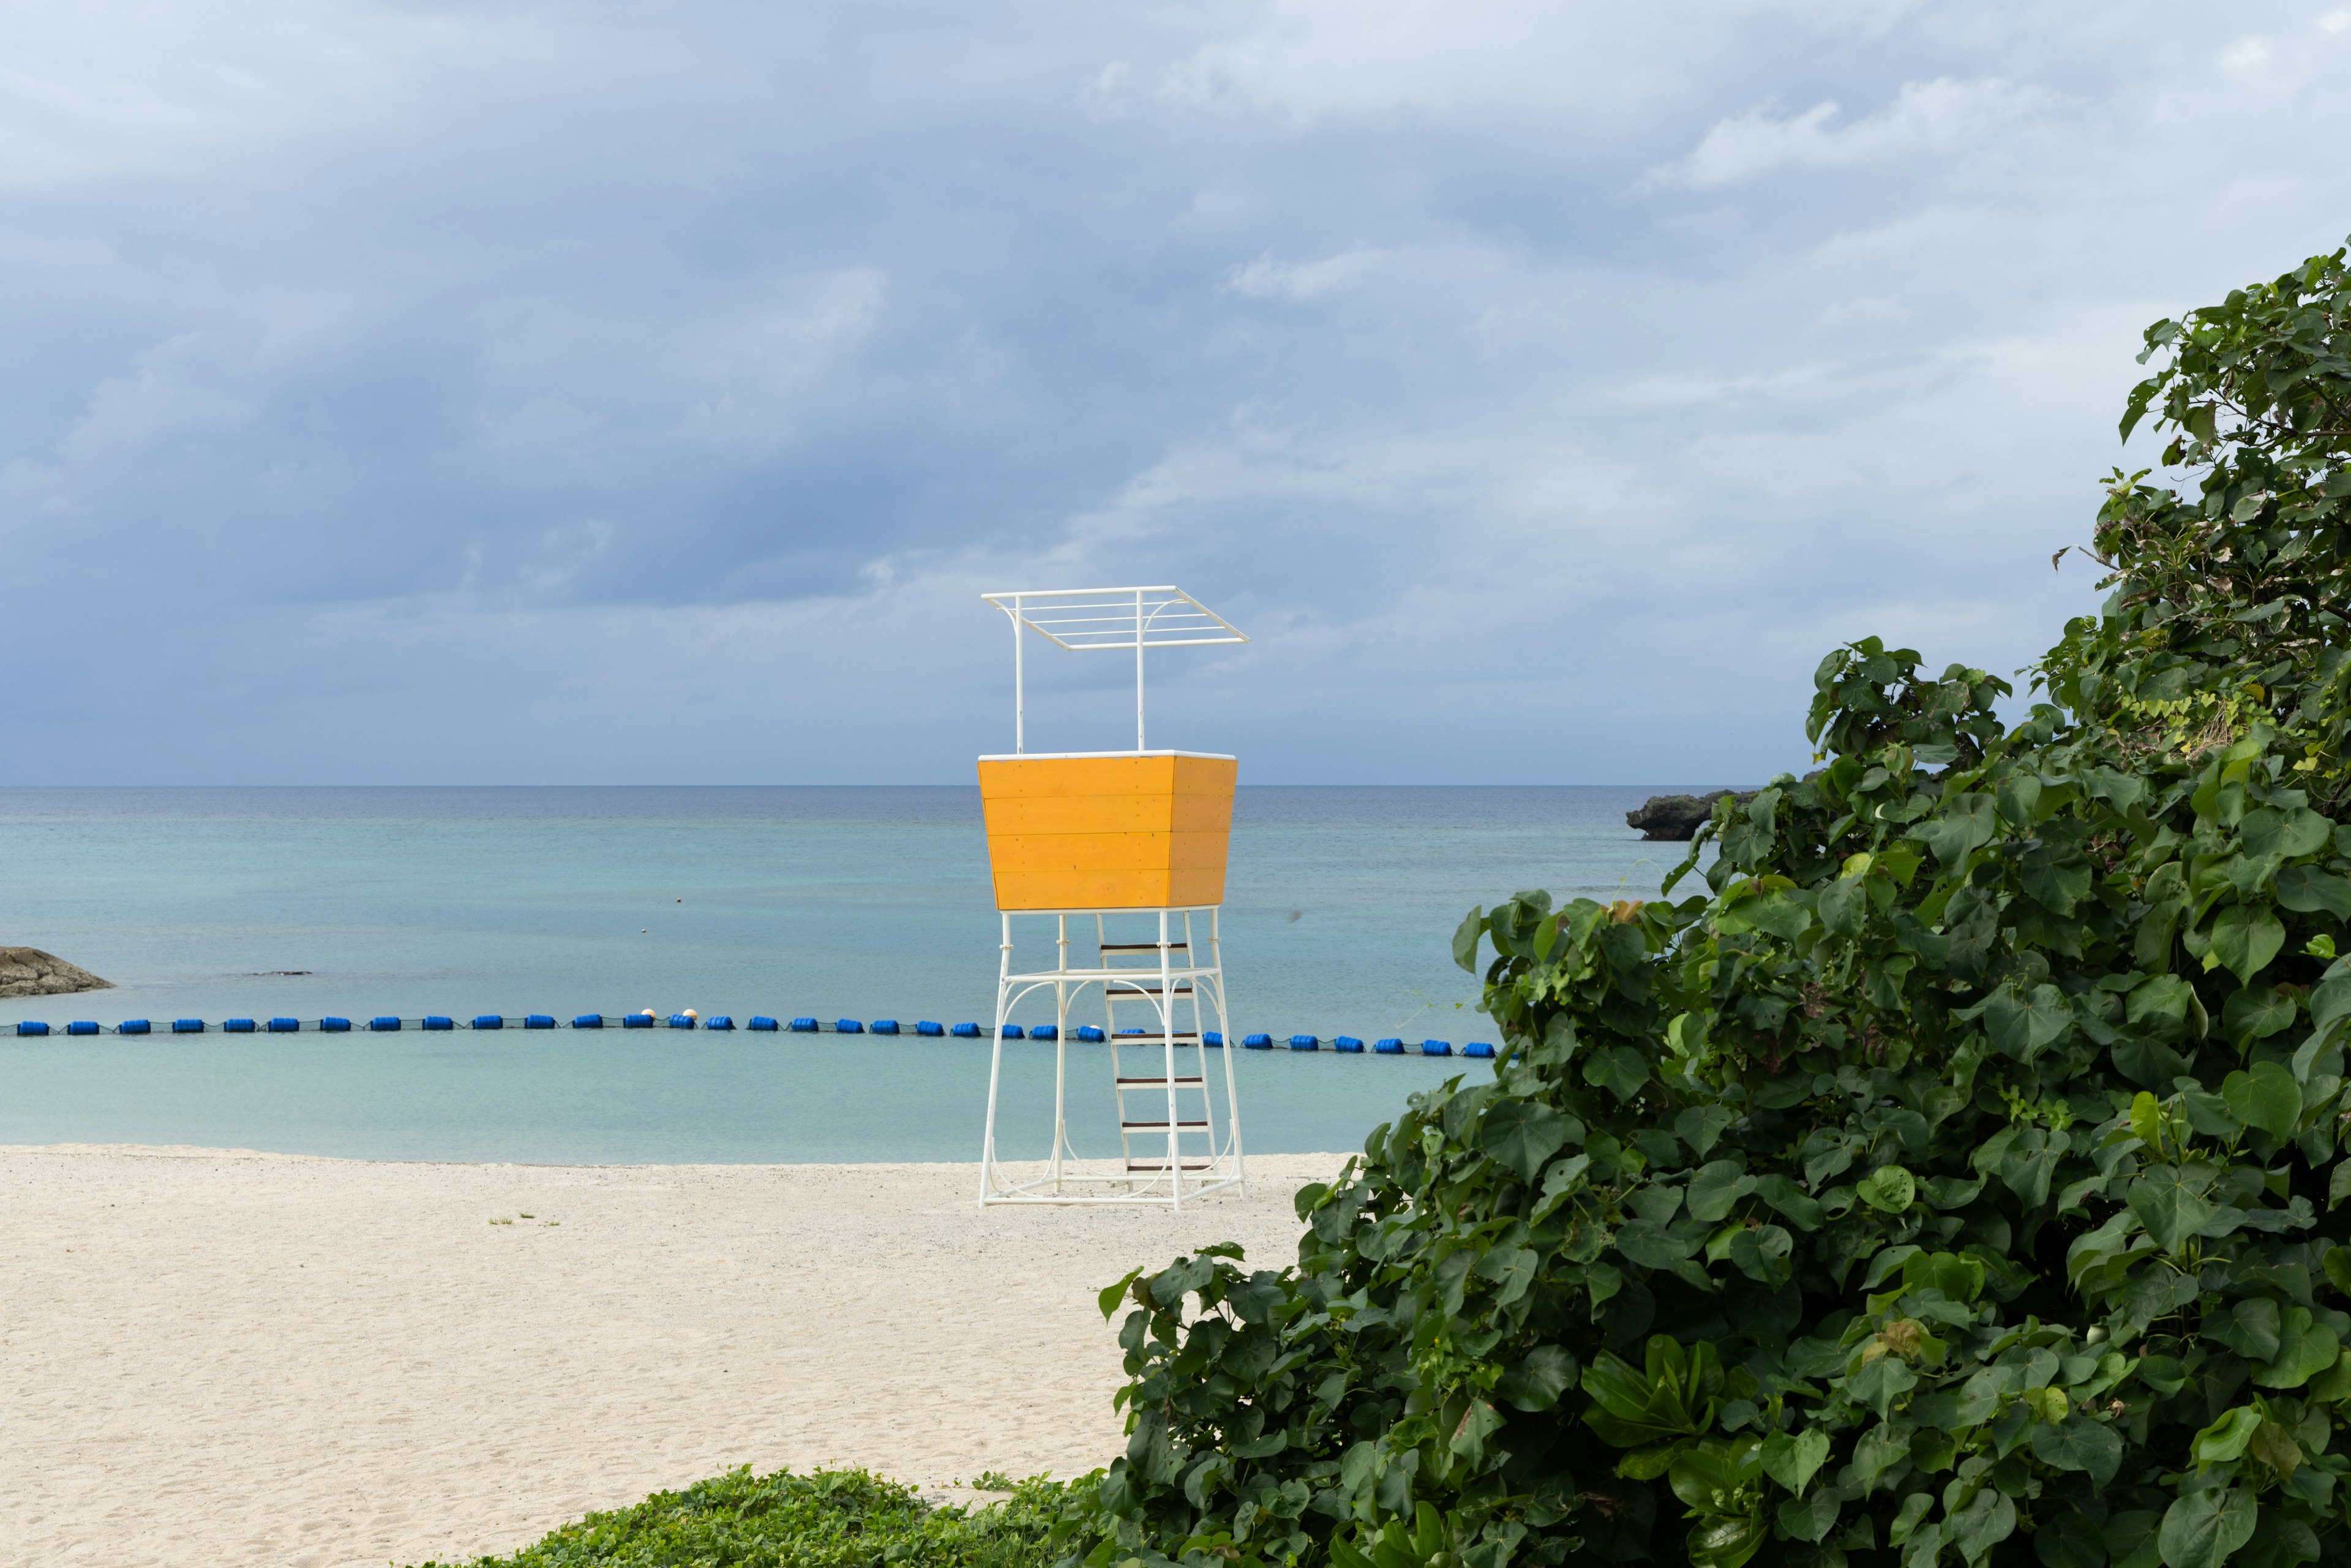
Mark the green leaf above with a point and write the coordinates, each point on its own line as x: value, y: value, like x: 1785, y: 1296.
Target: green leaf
x: 1649, y: 1244
x: 1809, y: 1518
x: 1715, y: 1189
x: 1890, y: 1189
x: 1720, y: 1541
x: 1798, y: 1207
x: 2200, y: 1529
x: 1989, y: 1519
x: 2307, y: 890
x: 2305, y: 1348
x: 1967, y: 824
x: 1465, y: 939
x: 2225, y: 1440
x: 2246, y: 938
x: 1113, y: 1294
x: 2080, y: 1444
x: 1621, y: 1070
x: 1539, y: 1378
x: 2255, y: 1013
x: 2267, y: 1097
x: 2171, y: 1206
x: 1793, y: 1462
x: 2288, y: 835
x: 1522, y: 1135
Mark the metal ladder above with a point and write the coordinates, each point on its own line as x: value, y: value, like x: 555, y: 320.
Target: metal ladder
x: 1163, y: 1120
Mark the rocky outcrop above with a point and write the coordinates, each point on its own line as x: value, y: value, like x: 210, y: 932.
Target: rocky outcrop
x: 29, y: 972
x: 1675, y: 819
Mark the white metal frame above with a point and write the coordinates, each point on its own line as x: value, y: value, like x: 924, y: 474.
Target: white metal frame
x: 1106, y: 620
x: 1194, y: 1161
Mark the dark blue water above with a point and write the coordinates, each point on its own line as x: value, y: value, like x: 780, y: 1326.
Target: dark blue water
x: 860, y: 903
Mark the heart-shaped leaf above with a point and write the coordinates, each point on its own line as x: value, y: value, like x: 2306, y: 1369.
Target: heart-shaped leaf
x: 2200, y: 1529
x: 2246, y: 938
x: 1890, y: 1189
x: 2267, y: 1097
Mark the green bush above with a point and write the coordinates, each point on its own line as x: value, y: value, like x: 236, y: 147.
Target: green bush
x: 830, y: 1519
x: 1955, y: 1182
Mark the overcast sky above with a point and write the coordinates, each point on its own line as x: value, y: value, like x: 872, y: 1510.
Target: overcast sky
x: 581, y: 394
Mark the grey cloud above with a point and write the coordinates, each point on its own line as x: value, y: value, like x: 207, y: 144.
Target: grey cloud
x: 633, y: 393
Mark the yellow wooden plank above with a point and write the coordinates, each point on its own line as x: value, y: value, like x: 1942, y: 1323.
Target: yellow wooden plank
x: 1088, y: 813
x: 1082, y: 890
x: 1055, y: 776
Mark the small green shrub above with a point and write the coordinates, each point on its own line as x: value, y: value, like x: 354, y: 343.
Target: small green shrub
x: 830, y: 1519
x: 1955, y: 1182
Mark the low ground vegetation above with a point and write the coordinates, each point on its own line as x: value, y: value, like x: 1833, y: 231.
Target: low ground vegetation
x: 829, y: 1519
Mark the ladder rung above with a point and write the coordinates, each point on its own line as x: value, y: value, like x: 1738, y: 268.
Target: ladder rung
x: 1180, y: 1083
x: 1179, y: 1125
x: 1138, y: 947
x: 1162, y: 1165
x: 1129, y: 988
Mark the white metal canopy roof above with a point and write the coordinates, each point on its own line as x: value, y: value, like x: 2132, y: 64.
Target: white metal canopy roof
x: 1086, y: 619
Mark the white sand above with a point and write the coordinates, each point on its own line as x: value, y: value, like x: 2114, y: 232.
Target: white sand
x: 212, y: 1358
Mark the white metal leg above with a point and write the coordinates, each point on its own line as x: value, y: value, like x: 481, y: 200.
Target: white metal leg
x: 1171, y: 970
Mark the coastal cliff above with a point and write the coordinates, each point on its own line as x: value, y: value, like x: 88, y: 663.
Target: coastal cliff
x: 29, y: 972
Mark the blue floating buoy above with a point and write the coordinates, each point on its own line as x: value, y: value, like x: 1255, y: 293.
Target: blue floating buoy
x: 284, y: 1026
x: 847, y: 1026
x: 681, y: 1020
x: 885, y: 1026
x: 764, y: 1024
x: 1257, y: 1042
x: 966, y: 1032
x: 1011, y: 1032
x: 721, y: 1021
x: 27, y: 1026
x: 489, y: 1021
x: 1437, y: 1048
x: 133, y: 1026
x: 637, y: 1021
x: 1305, y: 1042
x: 237, y: 1026
x: 927, y: 1027
x: 1391, y: 1046
x: 334, y: 1026
x: 187, y: 1026
x: 434, y: 1020
x: 804, y: 1026
x: 1045, y: 1031
x: 1210, y: 1037
x: 1348, y: 1042
x: 589, y: 1020
x: 1087, y: 1031
x: 1477, y: 1047
x: 387, y: 1024
x: 538, y: 1020
x: 1124, y: 1032
x: 82, y: 1026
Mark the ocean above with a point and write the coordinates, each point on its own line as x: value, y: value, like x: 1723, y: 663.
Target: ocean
x: 858, y: 903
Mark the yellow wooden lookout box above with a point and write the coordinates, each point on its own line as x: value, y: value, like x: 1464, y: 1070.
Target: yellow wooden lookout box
x: 1124, y: 853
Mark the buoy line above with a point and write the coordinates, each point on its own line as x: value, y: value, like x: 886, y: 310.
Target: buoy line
x: 1345, y: 1044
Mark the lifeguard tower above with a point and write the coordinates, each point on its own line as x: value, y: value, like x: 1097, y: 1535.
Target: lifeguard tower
x: 1126, y: 850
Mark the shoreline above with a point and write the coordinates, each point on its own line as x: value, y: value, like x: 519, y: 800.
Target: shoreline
x: 238, y: 1355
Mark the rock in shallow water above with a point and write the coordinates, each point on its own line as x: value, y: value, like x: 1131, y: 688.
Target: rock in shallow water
x: 29, y: 972
x: 1674, y: 819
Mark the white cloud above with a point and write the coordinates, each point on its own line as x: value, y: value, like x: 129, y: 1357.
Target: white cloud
x: 1939, y: 116
x: 1266, y: 278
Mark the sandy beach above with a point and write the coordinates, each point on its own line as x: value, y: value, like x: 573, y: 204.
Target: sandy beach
x: 218, y: 1357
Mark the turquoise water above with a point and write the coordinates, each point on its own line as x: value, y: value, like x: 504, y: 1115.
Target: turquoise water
x: 861, y: 902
